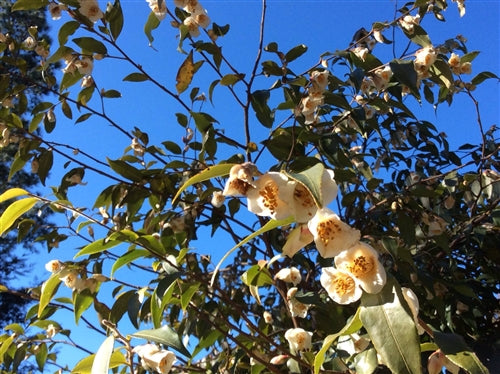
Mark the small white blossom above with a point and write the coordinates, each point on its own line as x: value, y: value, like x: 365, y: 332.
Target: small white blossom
x: 298, y: 339
x: 289, y: 275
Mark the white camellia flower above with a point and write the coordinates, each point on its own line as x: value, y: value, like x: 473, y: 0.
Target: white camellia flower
x: 289, y: 275
x: 154, y: 359
x: 54, y: 266
x: 72, y: 280
x: 91, y: 10
x: 297, y: 239
x: 51, y: 331
x: 268, y: 317
x: 331, y: 235
x: 218, y: 199
x: 271, y: 196
x: 361, y: 261
x: 341, y: 286
x: 297, y: 309
x: 240, y: 179
x: 56, y: 10
x: 304, y: 207
x: 85, y: 65
x: 298, y: 339
x: 160, y: 11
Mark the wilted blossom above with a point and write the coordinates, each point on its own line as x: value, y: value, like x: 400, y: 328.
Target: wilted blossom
x: 331, y: 235
x: 56, y: 9
x: 218, y: 199
x: 361, y: 262
x: 424, y: 58
x: 298, y: 339
x: 438, y: 360
x: 72, y: 280
x: 240, y: 179
x: 154, y: 359
x: 91, y: 10
x: 160, y: 11
x: 271, y: 196
x: 289, y: 275
x: 137, y: 147
x: 29, y: 43
x: 297, y: 309
x: 381, y: 78
x: 268, y: 317
x: 341, y: 286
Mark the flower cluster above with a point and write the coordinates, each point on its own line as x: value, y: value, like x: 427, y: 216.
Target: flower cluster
x: 424, y: 59
x: 71, y: 277
x: 457, y: 66
x: 198, y: 16
x: 314, y: 99
x: 155, y: 359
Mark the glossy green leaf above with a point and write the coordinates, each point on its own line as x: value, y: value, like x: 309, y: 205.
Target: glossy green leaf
x: 97, y: 246
x: 11, y: 193
x: 405, y: 73
x: 111, y: 94
x: 257, y: 276
x: 41, y: 356
x: 125, y: 170
x: 91, y: 45
x: 45, y: 162
x: 351, y: 327
x: 164, y: 335
x: 84, y: 366
x: 419, y: 36
x: 136, y: 77
x: 102, y: 357
x: 4, y: 347
x: 127, y: 258
x: 188, y: 294
x: 206, y: 174
x: 311, y: 180
x: 230, y: 79
x: 441, y: 71
x: 66, y: 30
x: 29, y: 4
x: 115, y: 18
x: 81, y: 302
x: 457, y: 351
x: 48, y: 290
x: 481, y: 77
x: 295, y: 52
x: 391, y: 329
x: 14, y: 211
x: 264, y: 114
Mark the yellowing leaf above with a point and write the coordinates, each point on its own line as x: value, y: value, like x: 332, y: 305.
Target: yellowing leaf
x: 13, y: 192
x: 14, y: 211
x: 185, y: 74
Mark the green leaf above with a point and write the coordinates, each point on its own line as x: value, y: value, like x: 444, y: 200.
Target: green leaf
x: 41, y: 356
x: 271, y: 224
x: 164, y: 335
x: 419, y: 36
x: 49, y: 288
x: 103, y: 356
x: 295, y: 52
x: 81, y: 301
x: 257, y: 276
x: 231, y: 79
x: 483, y: 76
x: 441, y: 71
x: 405, y: 73
x: 125, y: 170
x: 311, y: 180
x: 5, y: 346
x: 98, y: 246
x: 152, y: 23
x: 188, y: 294
x: 14, y: 211
x: 66, y: 30
x: 29, y: 4
x: 111, y: 94
x: 11, y: 193
x: 45, y: 161
x: 457, y: 351
x: 136, y: 77
x: 115, y: 19
x: 84, y: 366
x: 391, y: 329
x: 91, y: 45
x: 259, y: 104
x: 127, y: 258
x: 208, y: 173
x: 353, y: 325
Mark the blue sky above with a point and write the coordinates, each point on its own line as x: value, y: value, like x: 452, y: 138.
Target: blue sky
x: 321, y: 25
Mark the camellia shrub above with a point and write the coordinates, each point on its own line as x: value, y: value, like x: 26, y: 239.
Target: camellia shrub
x: 326, y: 229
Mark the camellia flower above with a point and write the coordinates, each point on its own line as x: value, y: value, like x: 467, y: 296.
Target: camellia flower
x: 298, y: 339
x: 409, y: 22
x: 271, y: 195
x: 304, y: 207
x: 87, y: 81
x: 217, y: 199
x: 56, y: 10
x: 268, y: 317
x: 424, y: 58
x: 240, y: 179
x: 72, y: 280
x: 297, y: 239
x: 54, y: 266
x: 91, y: 10
x: 382, y: 77
x: 331, y: 235
x: 319, y: 80
x: 361, y: 261
x: 85, y: 65
x: 341, y: 286
x: 51, y: 331
x: 192, y: 26
x: 297, y: 309
x: 289, y: 275
x: 152, y: 358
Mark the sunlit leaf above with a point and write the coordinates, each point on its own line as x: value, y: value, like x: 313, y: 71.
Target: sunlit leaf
x: 102, y: 357
x: 84, y: 366
x: 81, y: 301
x: 136, y: 77
x: 164, y: 335
x: 29, y: 4
x: 49, y: 288
x: 391, y: 329
x: 185, y: 74
x: 97, y: 246
x: 152, y: 23
x: 14, y: 211
x: 11, y: 193
x: 127, y: 258
x: 311, y: 179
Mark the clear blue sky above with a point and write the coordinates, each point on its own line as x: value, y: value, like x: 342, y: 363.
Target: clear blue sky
x: 321, y: 25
